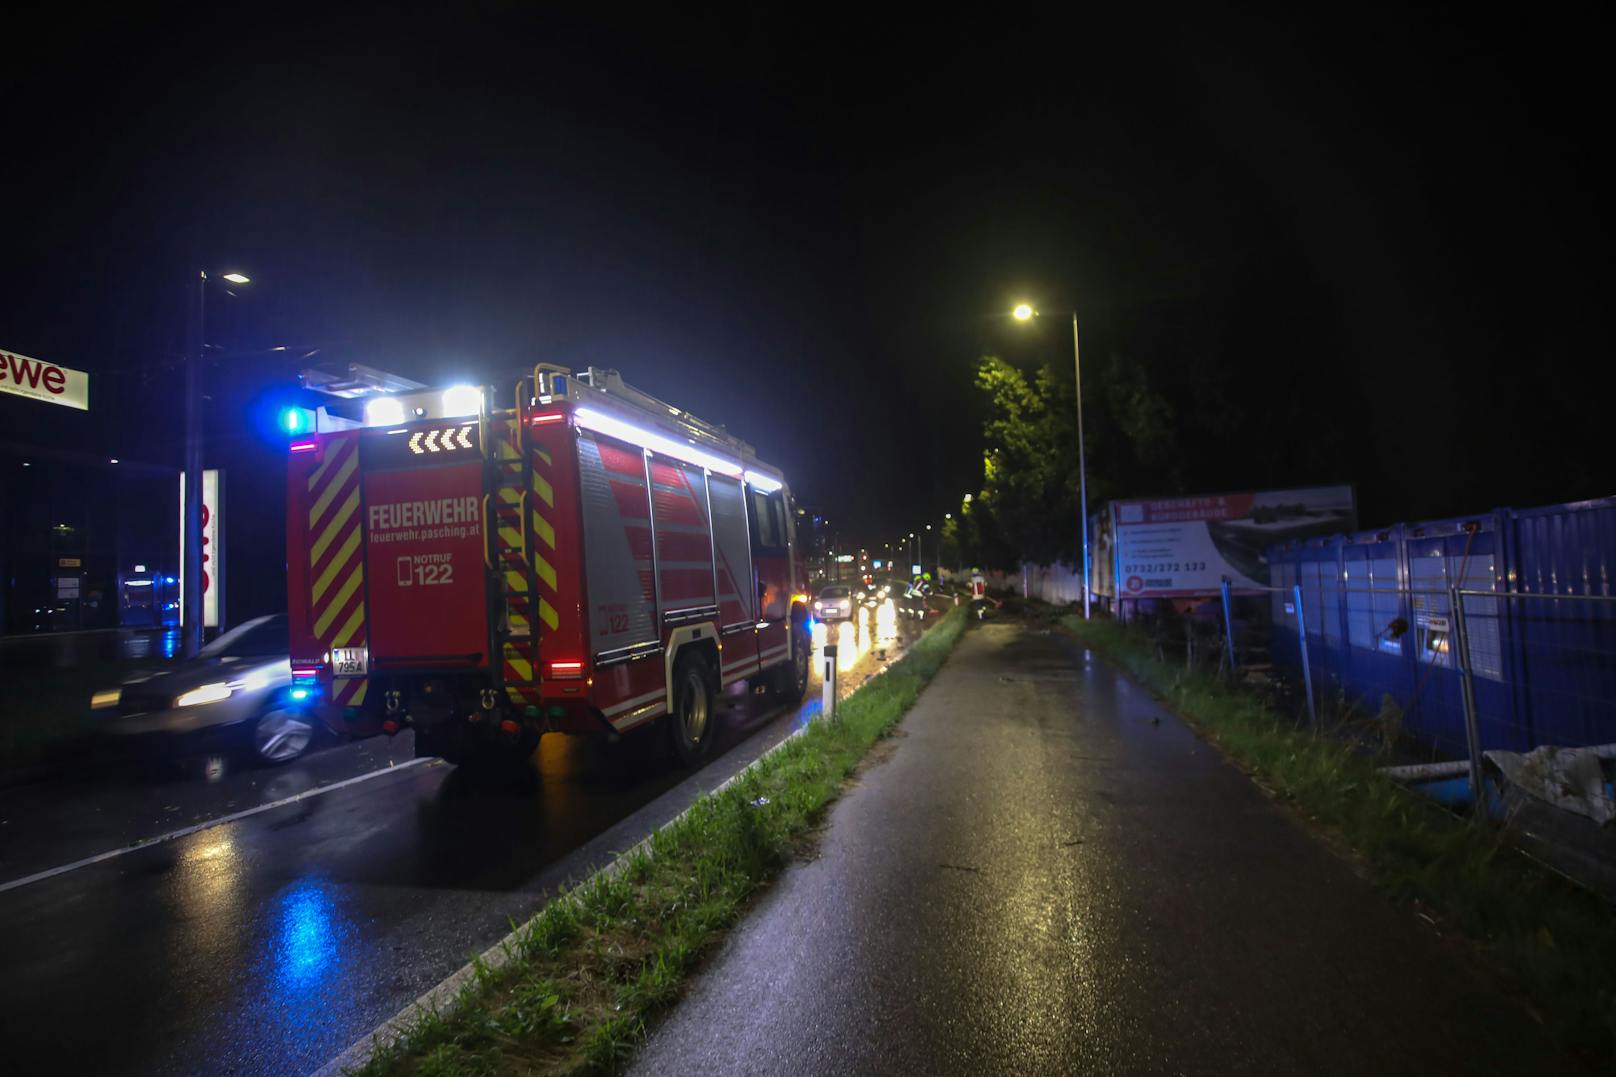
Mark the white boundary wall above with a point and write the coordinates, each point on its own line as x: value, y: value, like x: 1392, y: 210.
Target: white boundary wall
x: 1055, y: 584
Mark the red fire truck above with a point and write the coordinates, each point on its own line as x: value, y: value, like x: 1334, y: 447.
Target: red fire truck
x: 579, y: 557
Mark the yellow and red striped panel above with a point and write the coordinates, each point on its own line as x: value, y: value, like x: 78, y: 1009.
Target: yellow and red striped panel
x: 518, y: 659
x: 337, y: 559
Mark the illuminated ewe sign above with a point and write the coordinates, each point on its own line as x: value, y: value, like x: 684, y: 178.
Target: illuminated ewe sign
x: 39, y: 380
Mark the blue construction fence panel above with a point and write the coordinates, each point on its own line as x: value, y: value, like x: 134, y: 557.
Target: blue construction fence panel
x: 1376, y: 609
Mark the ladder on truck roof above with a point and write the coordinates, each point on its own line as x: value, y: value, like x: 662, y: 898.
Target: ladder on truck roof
x: 516, y: 607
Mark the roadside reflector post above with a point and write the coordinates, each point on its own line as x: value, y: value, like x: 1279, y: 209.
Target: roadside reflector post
x: 828, y: 687
x: 1467, y: 694
x: 1307, y: 666
x: 1228, y: 631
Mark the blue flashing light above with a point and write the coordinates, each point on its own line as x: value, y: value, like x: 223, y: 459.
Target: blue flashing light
x: 295, y: 421
x: 300, y: 693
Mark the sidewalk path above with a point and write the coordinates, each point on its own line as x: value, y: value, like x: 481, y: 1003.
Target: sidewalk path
x: 1044, y: 879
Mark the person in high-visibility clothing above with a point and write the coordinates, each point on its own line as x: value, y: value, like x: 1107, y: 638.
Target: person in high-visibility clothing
x: 979, y: 593
x: 916, y: 593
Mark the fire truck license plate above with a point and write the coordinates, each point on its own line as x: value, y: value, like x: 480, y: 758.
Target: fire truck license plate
x: 348, y: 661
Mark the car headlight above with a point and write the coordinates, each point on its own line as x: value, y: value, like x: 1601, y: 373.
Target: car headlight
x: 207, y: 693
x: 256, y: 681
x: 102, y: 700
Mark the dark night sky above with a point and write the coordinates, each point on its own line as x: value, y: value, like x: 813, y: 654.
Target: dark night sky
x: 1386, y: 239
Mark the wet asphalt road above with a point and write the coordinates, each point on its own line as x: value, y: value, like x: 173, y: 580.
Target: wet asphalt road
x: 1051, y: 875
x: 268, y: 944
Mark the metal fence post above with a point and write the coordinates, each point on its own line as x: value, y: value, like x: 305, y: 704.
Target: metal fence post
x: 1467, y: 692
x: 1307, y: 666
x: 1228, y: 628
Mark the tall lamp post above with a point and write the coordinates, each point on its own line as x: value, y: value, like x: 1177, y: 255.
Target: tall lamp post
x: 191, y: 566
x: 1025, y: 312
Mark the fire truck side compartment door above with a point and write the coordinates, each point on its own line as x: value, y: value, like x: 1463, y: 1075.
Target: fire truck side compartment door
x: 735, y: 602
x: 684, y: 541
x: 617, y: 540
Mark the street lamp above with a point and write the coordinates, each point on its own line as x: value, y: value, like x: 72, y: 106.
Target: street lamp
x: 191, y: 566
x: 1025, y: 312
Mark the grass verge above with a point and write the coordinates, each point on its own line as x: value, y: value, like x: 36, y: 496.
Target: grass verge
x: 1553, y: 943
x: 599, y: 961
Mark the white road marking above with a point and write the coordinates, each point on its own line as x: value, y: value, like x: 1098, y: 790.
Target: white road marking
x: 183, y: 832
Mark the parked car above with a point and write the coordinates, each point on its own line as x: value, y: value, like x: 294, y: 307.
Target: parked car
x: 834, y: 604
x: 237, y: 693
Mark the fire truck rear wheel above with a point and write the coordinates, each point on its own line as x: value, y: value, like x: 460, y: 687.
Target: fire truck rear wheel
x: 690, y: 726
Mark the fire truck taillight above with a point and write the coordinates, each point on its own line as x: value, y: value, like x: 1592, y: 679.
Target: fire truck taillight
x: 305, y: 673
x: 572, y: 670
x: 299, y: 447
x: 547, y: 417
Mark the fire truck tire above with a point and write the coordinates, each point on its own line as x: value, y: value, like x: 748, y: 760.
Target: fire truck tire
x: 690, y: 726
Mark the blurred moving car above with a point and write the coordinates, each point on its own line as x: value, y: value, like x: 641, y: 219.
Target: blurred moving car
x: 236, y: 693
x: 834, y: 604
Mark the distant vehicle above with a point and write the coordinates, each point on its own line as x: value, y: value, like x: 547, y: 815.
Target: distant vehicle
x: 834, y: 604
x: 575, y: 556
x: 237, y: 693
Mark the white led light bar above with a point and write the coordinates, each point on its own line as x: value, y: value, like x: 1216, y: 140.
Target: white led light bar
x: 601, y: 423
x: 767, y: 483
x: 384, y: 411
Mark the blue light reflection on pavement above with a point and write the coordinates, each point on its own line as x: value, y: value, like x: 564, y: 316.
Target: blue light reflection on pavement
x: 308, y: 942
x: 310, y: 955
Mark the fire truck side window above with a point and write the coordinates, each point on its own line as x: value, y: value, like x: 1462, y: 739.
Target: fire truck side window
x: 768, y: 521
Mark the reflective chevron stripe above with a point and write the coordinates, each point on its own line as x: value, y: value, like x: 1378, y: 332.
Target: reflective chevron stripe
x: 337, y: 559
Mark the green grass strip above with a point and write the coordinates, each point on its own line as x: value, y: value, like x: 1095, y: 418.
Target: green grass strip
x: 601, y: 960
x: 1552, y: 943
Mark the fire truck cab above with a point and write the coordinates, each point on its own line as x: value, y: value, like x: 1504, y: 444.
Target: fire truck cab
x: 578, y: 557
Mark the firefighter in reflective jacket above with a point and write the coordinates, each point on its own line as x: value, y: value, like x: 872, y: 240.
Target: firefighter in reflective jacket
x: 915, y: 594
x: 979, y: 593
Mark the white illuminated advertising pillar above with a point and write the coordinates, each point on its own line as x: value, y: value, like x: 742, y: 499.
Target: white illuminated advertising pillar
x: 212, y: 549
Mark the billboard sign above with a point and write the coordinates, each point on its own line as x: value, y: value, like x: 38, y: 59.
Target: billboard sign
x: 39, y: 380
x: 1182, y: 547
x: 212, y: 549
